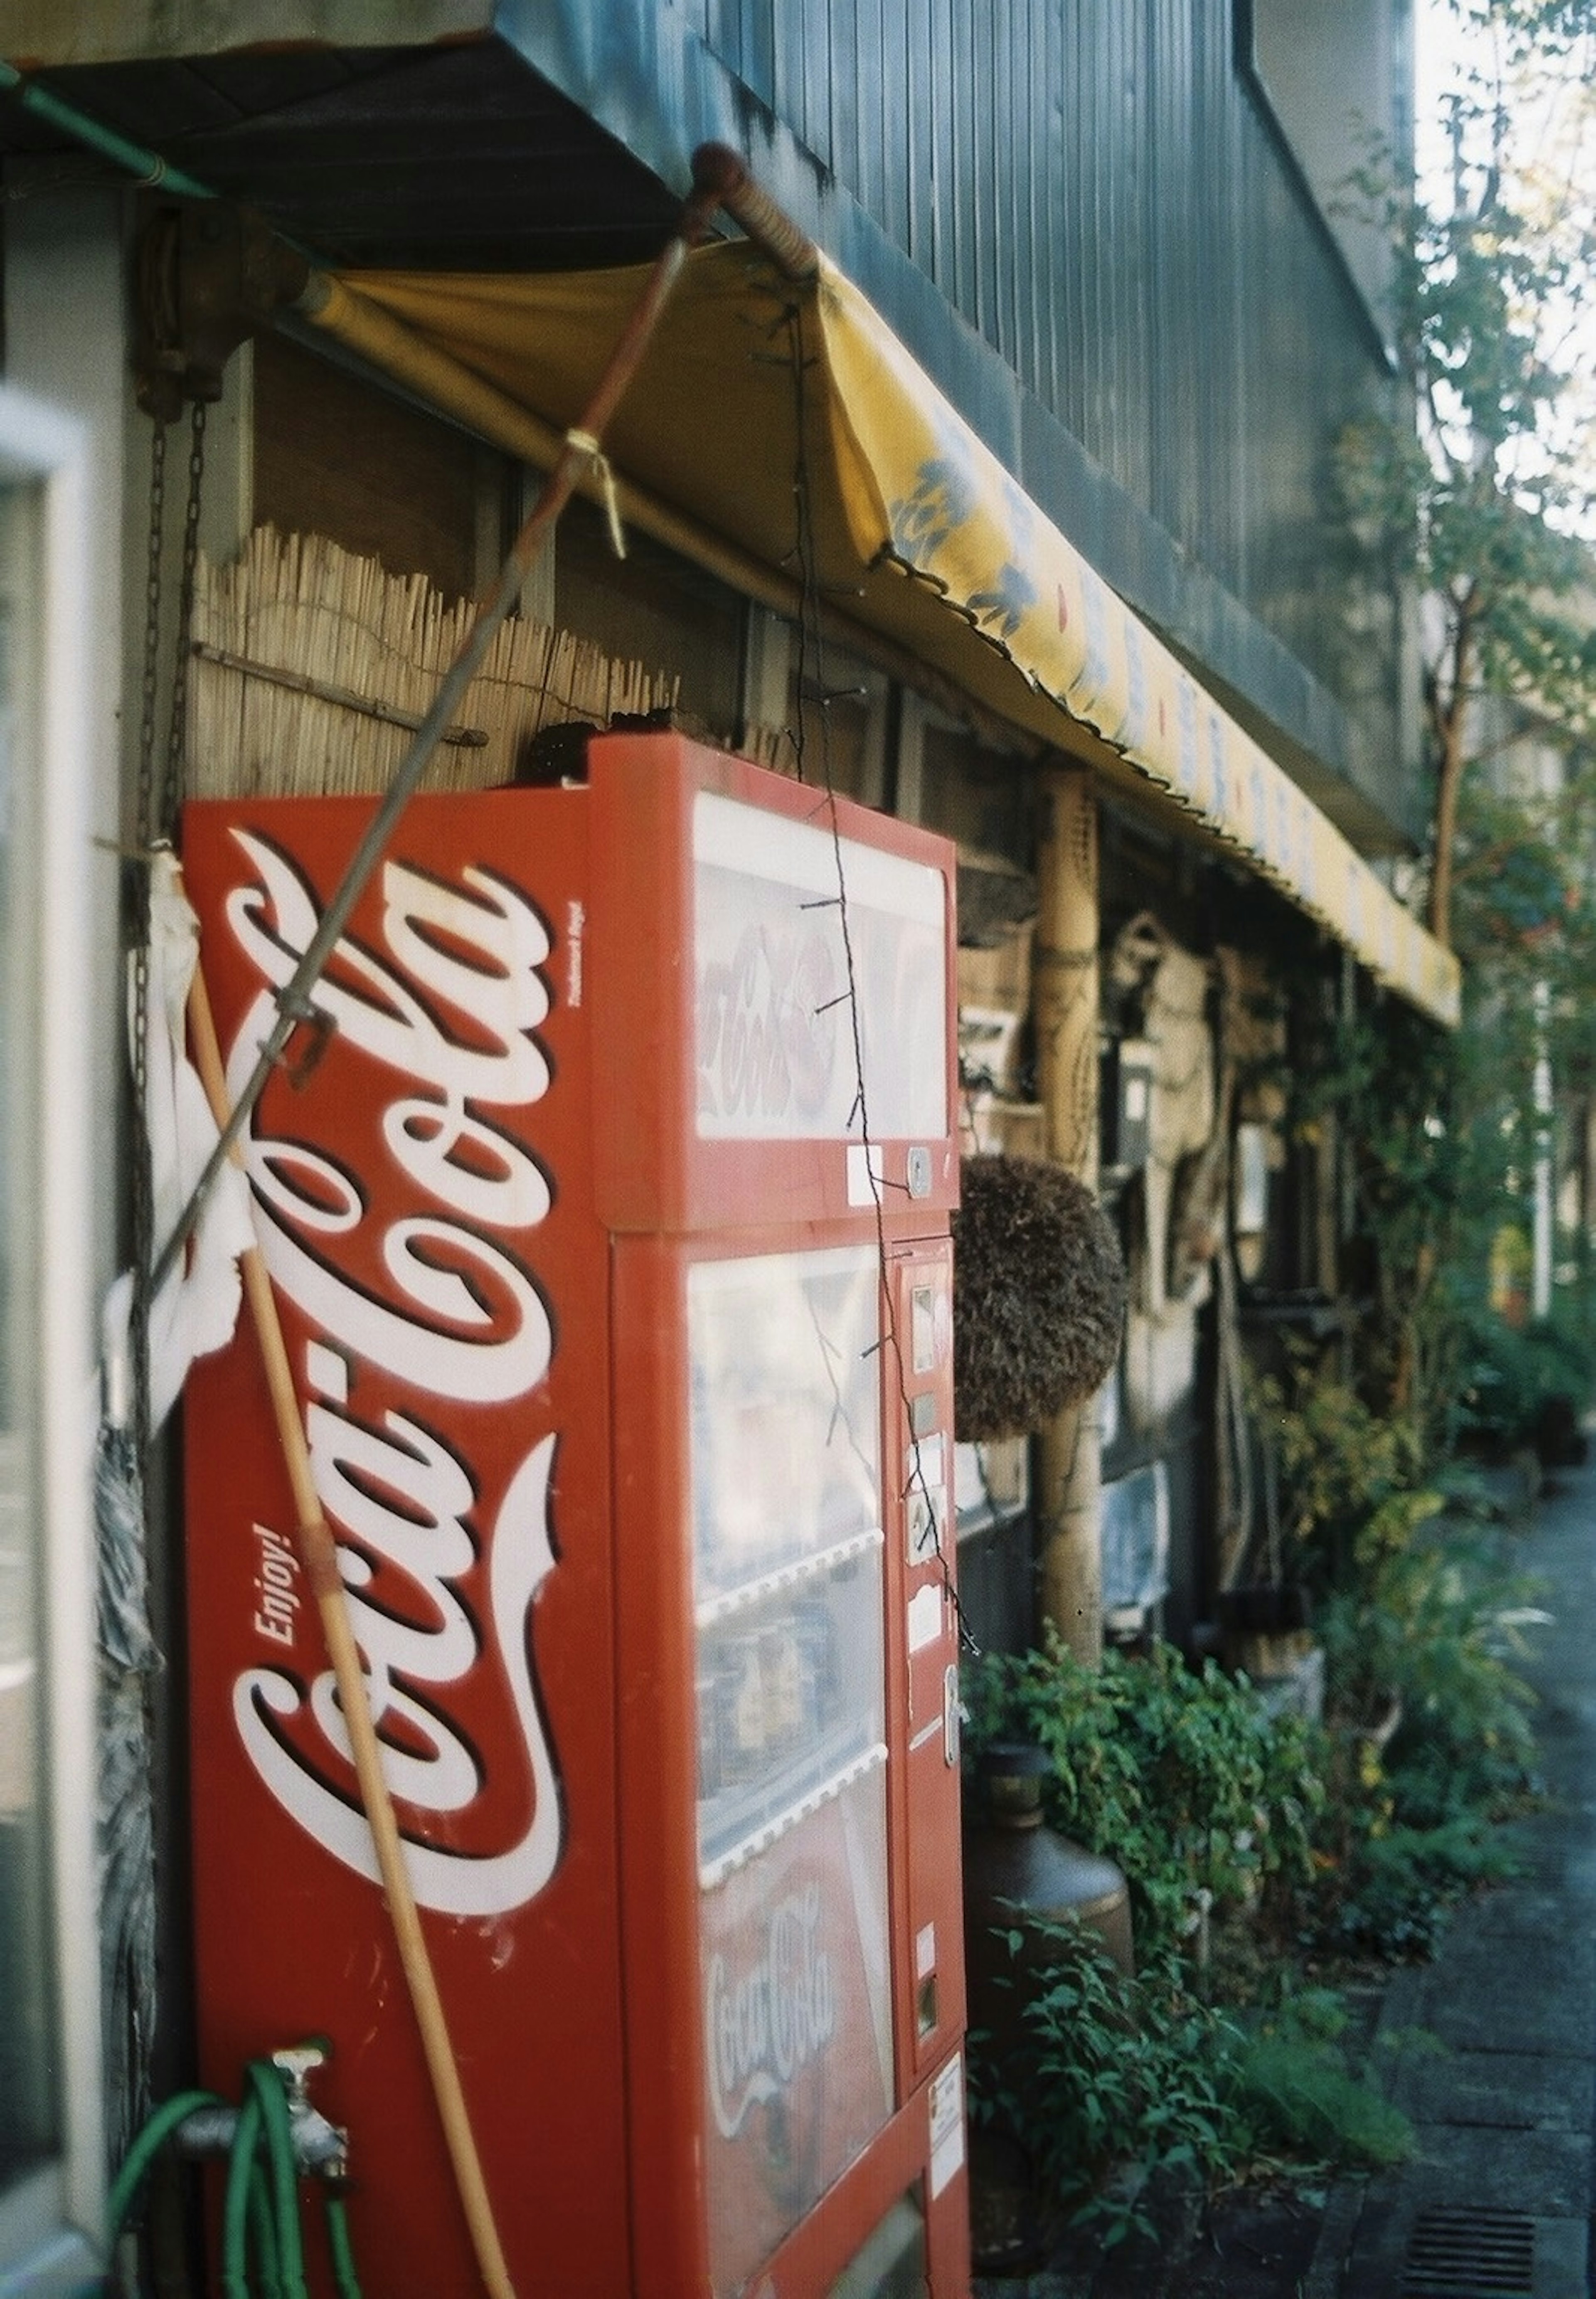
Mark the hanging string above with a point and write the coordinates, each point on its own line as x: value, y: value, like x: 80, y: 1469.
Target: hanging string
x: 803, y: 560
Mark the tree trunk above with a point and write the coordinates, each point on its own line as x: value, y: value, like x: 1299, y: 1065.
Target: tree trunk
x: 1449, y: 714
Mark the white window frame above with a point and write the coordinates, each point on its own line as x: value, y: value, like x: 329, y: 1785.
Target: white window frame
x: 50, y: 2221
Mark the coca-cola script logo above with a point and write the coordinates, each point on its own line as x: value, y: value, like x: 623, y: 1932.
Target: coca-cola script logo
x: 770, y: 2020
x: 767, y: 1025
x: 452, y: 1316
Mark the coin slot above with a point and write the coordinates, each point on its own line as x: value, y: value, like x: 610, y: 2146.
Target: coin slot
x: 925, y: 2006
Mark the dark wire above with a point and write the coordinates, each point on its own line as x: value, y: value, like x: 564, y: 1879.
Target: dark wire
x: 810, y: 634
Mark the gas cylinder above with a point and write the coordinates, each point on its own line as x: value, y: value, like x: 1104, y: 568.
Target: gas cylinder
x: 1015, y: 1866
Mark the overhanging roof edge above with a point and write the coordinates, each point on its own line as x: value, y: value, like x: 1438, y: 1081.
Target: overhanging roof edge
x: 948, y: 513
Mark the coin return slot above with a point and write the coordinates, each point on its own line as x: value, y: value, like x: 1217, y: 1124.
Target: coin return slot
x: 925, y: 2006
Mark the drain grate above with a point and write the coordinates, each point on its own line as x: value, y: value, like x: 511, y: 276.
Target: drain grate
x: 1469, y: 2256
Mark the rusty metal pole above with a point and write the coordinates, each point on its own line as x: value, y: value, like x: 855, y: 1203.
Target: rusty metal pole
x: 582, y: 451
x: 1066, y: 1014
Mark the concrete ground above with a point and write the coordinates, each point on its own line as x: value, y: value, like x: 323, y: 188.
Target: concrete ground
x: 1490, y: 2049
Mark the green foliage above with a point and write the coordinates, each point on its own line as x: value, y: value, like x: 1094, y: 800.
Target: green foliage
x: 1299, y: 2096
x: 1143, y: 2075
x: 1338, y: 1840
x: 1402, y: 1881
x: 1426, y: 1167
x: 1181, y: 1778
x: 1543, y: 27
x: 1482, y: 505
x: 1476, y: 487
x: 1510, y: 1375
x: 1425, y: 1642
x: 1348, y: 1477
x: 1111, y: 2070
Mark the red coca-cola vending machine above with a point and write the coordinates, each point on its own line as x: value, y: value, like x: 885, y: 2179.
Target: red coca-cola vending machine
x: 610, y: 1237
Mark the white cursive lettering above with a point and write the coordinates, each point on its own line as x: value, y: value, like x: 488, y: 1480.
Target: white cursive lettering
x: 453, y: 1315
x: 766, y: 2025
x: 453, y: 1882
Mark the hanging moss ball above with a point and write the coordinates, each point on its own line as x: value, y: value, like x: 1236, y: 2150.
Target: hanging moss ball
x: 1039, y: 1296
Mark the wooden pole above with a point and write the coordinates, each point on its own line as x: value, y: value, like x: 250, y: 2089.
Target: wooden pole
x: 1066, y: 1014
x: 319, y: 1557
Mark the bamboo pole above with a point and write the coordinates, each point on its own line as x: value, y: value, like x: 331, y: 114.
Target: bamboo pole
x: 319, y: 1555
x: 1066, y: 1014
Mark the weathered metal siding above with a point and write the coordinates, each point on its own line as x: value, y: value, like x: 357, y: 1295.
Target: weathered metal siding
x: 1090, y: 185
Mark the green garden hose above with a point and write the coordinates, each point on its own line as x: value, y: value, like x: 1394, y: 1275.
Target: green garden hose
x: 262, y: 2246
x: 153, y: 2137
x: 263, y: 2233
x: 235, y: 2208
x: 266, y: 2084
x: 337, y: 2244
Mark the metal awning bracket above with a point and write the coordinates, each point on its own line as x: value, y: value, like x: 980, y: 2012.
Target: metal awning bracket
x: 209, y: 274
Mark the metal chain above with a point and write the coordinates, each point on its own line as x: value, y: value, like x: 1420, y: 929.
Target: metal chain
x: 172, y: 789
x: 143, y: 828
x: 144, y: 832
x: 155, y: 820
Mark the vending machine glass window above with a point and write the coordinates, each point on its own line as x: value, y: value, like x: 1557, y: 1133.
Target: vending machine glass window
x: 785, y: 975
x: 792, y: 1749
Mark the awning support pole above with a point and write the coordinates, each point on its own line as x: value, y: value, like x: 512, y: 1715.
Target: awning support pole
x: 579, y: 453
x: 718, y: 169
x: 1065, y: 1016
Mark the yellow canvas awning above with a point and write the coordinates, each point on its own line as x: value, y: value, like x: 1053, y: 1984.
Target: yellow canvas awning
x: 935, y: 546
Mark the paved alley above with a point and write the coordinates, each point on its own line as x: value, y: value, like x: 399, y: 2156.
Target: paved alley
x: 1490, y: 2049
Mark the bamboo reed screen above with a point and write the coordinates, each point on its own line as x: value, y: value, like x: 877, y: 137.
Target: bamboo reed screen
x: 311, y: 668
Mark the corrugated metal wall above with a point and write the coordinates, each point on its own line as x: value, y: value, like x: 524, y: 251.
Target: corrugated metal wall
x: 1091, y: 184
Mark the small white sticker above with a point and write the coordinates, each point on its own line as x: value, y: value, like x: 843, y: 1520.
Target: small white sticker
x: 922, y: 1326
x: 925, y: 1616
x: 925, y: 1952
x: 926, y: 1464
x: 947, y: 2124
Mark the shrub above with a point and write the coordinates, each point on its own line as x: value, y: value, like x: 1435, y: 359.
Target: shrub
x: 1348, y: 1477
x: 1428, y: 1643
x: 1111, y: 2070
x: 1510, y: 1375
x: 1402, y: 1881
x: 1298, y: 2093
x: 1141, y: 2074
x: 1181, y: 1778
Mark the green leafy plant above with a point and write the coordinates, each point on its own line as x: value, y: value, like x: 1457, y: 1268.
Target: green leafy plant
x: 1427, y: 1649
x: 1180, y: 1776
x: 1111, y: 2071
x: 1404, y: 1881
x: 1480, y: 501
x: 1141, y: 2076
x: 1510, y: 1375
x: 1348, y: 1477
x: 1298, y: 2093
